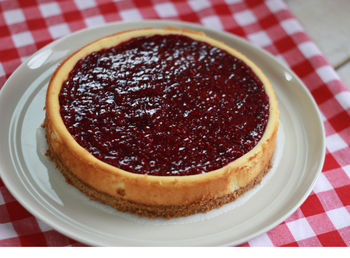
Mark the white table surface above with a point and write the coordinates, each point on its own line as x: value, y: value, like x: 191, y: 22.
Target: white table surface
x: 327, y: 22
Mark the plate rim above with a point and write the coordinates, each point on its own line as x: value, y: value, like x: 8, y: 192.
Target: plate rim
x: 305, y: 90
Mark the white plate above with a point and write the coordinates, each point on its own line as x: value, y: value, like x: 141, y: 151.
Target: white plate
x: 39, y: 187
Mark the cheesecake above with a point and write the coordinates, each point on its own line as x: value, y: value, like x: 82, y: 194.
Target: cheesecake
x: 161, y: 122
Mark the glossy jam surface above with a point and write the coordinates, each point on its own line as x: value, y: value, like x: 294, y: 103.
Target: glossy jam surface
x: 164, y: 105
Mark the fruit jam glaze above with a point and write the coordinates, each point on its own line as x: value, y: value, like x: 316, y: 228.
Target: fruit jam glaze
x: 164, y: 105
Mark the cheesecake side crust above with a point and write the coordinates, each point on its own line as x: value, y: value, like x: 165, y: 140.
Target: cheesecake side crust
x: 153, y: 211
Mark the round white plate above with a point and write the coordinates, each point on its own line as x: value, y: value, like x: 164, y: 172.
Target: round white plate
x: 36, y: 183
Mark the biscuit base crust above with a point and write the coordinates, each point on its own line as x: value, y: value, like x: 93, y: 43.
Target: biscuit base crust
x: 153, y: 211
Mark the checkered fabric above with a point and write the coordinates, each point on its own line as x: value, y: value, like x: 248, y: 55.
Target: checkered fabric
x: 322, y: 220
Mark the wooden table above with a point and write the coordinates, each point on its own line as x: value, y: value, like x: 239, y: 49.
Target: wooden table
x: 328, y: 23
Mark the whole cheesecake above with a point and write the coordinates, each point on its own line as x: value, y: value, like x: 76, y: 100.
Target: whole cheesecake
x: 161, y: 122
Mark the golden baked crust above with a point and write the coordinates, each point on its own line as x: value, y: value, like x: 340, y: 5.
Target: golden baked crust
x: 167, y: 211
x: 151, y: 192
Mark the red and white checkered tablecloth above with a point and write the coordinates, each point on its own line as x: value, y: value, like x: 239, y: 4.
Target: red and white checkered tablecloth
x: 322, y: 220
